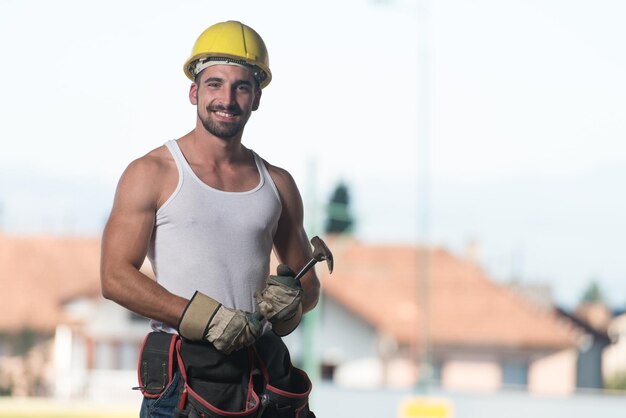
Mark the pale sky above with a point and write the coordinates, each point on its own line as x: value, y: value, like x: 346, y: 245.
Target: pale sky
x: 526, y: 152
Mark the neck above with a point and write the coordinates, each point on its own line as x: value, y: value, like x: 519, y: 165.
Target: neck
x: 207, y: 147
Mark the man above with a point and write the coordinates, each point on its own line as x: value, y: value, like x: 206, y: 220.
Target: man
x: 207, y: 211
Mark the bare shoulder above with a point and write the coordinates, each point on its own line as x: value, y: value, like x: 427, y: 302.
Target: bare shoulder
x: 149, y: 176
x: 283, y: 180
x: 155, y: 161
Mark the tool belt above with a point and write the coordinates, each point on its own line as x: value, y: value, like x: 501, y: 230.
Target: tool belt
x: 156, y: 363
x: 257, y: 382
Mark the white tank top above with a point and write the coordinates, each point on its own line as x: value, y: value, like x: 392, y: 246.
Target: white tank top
x: 213, y: 241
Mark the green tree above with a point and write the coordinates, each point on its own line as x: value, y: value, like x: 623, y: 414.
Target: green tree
x: 339, y: 219
x: 593, y: 293
x: 24, y: 340
x: 616, y: 381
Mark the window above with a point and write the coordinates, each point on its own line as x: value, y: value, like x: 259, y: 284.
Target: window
x: 437, y: 367
x: 515, y: 373
x: 129, y: 355
x: 104, y: 356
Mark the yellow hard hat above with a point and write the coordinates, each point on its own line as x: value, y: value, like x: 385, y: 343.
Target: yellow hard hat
x: 230, y: 42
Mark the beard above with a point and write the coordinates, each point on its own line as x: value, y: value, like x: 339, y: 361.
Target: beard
x: 221, y: 129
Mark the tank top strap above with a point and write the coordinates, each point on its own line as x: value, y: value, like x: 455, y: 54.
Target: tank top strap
x: 264, y: 173
x: 179, y: 158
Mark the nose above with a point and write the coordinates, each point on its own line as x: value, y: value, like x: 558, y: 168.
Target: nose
x: 228, y: 96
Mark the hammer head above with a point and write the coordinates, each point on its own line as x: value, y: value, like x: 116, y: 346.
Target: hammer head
x: 321, y: 252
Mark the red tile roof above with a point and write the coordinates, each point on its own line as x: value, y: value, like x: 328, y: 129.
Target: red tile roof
x: 37, y: 273
x: 381, y: 284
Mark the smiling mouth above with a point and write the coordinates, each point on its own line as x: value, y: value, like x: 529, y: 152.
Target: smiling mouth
x: 223, y: 114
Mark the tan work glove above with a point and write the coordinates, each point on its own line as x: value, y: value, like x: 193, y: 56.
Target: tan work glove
x: 227, y: 329
x: 281, y: 301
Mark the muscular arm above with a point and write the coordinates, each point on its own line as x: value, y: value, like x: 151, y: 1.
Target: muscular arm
x: 291, y: 243
x: 125, y: 244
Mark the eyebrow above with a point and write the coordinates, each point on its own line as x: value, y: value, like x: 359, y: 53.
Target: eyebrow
x: 221, y: 80
x: 213, y: 79
x: 246, y: 82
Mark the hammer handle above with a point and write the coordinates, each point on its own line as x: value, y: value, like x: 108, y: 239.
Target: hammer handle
x: 298, y: 276
x: 304, y: 269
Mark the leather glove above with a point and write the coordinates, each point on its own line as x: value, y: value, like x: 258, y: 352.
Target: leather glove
x: 281, y: 301
x: 227, y: 329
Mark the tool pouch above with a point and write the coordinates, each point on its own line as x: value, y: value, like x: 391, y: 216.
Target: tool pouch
x: 157, y: 363
x: 216, y: 385
x: 286, y: 388
x: 257, y: 382
x: 277, y: 403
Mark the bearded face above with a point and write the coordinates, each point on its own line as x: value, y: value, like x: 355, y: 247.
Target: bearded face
x: 225, y: 96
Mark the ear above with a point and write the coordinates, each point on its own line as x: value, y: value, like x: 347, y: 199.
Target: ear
x: 193, y: 94
x: 257, y: 100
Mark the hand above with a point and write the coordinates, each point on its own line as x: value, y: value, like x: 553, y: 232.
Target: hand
x: 281, y: 301
x: 227, y: 329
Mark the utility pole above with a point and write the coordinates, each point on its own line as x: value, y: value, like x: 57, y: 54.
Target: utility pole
x: 424, y: 350
x: 310, y: 355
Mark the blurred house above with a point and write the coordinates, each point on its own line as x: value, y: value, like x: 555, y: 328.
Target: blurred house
x: 386, y: 305
x: 383, y: 307
x: 84, y: 345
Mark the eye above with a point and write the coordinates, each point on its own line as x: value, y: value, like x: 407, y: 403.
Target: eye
x: 244, y: 88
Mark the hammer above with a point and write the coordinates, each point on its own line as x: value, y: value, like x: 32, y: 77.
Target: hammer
x: 321, y: 252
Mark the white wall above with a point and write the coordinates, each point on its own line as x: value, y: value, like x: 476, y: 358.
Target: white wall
x: 341, y: 335
x: 471, y: 375
x: 554, y: 373
x: 101, y: 332
x: 614, y: 356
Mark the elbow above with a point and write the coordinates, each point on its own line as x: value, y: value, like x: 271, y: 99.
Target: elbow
x: 105, y: 288
x: 107, y: 284
x: 311, y: 296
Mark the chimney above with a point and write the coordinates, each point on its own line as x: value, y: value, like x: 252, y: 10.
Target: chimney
x: 596, y: 314
x: 472, y: 251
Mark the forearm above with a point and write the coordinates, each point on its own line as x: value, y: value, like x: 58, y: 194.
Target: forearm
x: 311, y: 287
x: 140, y: 294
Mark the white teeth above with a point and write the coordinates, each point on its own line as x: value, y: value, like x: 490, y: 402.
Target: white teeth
x: 224, y: 114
